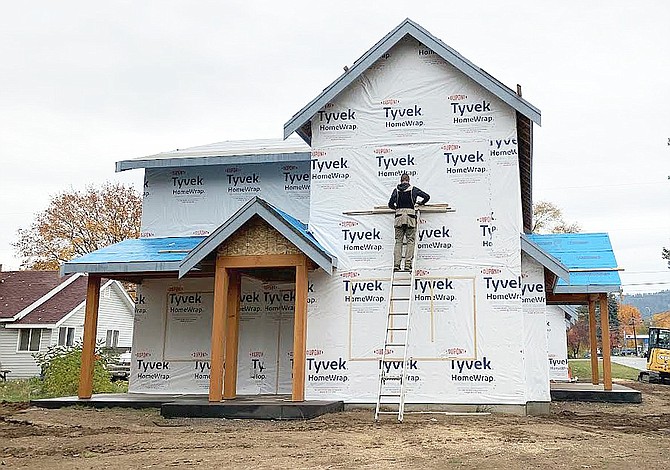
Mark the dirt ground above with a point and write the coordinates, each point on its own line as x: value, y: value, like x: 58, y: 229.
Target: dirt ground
x: 575, y: 435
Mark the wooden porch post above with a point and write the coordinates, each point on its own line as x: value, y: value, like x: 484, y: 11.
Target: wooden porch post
x: 232, y: 336
x: 300, y: 331
x: 90, y: 328
x: 605, y: 331
x: 221, y: 282
x: 595, y: 376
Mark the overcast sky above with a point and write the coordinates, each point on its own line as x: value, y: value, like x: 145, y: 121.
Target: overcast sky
x: 85, y: 84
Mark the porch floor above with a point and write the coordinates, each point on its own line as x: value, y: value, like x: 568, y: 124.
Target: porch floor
x: 583, y: 391
x: 279, y: 407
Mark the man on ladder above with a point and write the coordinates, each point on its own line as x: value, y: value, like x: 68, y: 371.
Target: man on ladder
x: 403, y: 201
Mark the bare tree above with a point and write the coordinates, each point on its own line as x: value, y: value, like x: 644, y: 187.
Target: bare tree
x: 79, y: 222
x: 548, y: 218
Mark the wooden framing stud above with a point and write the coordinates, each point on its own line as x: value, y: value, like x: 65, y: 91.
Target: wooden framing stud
x: 88, y: 346
x: 605, y: 332
x: 232, y: 336
x: 300, y: 332
x: 221, y: 282
x: 593, y: 341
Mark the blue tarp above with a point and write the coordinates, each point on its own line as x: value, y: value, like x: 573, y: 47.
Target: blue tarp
x: 169, y: 249
x: 581, y: 252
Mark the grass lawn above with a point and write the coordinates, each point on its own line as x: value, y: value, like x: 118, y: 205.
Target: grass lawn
x: 581, y: 368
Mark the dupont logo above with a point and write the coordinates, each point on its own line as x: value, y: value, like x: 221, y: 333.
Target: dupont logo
x: 348, y: 223
x: 142, y: 354
x: 200, y: 232
x: 175, y: 289
x: 449, y: 147
x: 456, y: 351
x: 380, y: 351
x: 289, y: 167
x: 486, y: 218
x: 328, y: 105
x: 318, y: 153
x: 267, y: 286
x: 457, y: 97
x: 422, y: 272
x: 382, y: 151
x: 256, y: 353
x: 313, y: 352
x: 349, y: 274
x: 177, y: 172
x: 232, y: 170
x: 147, y: 234
x: 491, y: 271
x: 390, y: 101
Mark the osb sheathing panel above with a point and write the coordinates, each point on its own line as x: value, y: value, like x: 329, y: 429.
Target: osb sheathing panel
x: 257, y: 237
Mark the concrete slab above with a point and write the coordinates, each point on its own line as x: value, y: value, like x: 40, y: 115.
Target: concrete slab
x: 279, y: 407
x: 579, y: 391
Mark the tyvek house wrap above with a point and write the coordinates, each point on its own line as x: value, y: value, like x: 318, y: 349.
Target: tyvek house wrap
x: 471, y: 339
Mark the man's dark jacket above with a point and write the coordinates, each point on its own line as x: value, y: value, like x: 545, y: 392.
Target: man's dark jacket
x: 404, y: 197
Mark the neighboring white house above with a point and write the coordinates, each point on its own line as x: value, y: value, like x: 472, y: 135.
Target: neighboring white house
x: 38, y: 309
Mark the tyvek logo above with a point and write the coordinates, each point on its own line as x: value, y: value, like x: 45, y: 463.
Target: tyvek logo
x: 153, y: 370
x: 462, y: 162
x: 184, y: 185
x: 330, y: 169
x: 295, y: 181
x: 464, y: 371
x: 202, y: 370
x: 503, y: 147
x: 363, y: 291
x: 434, y: 290
x: 327, y: 371
x: 434, y: 239
x: 337, y: 120
x: 502, y: 289
x: 487, y: 232
x: 361, y: 240
x: 244, y: 183
x: 404, y: 117
x: 479, y: 112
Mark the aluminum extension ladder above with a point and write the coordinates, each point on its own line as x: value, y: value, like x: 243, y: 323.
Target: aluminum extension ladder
x: 393, y: 372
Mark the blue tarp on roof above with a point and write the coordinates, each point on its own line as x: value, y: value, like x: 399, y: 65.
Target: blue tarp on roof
x: 588, y: 256
x: 145, y: 254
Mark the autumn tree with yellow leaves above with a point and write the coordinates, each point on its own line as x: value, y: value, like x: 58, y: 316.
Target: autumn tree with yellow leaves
x: 79, y: 222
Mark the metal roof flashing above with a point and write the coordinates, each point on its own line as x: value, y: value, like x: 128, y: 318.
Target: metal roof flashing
x: 409, y: 27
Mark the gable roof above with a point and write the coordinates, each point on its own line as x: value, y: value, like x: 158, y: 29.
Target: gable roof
x: 588, y: 256
x: 288, y: 226
x: 58, y: 306
x: 408, y: 27
x: 21, y: 289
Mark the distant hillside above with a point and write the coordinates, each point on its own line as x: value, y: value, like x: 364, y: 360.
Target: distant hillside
x: 656, y: 301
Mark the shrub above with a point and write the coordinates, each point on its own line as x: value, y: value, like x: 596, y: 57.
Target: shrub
x: 61, y: 369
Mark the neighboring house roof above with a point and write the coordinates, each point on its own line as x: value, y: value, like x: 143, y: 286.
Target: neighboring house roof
x: 589, y: 258
x: 135, y: 256
x: 20, y: 289
x: 291, y: 228
x: 230, y: 152
x: 407, y: 28
x: 32, y: 299
x: 58, y: 306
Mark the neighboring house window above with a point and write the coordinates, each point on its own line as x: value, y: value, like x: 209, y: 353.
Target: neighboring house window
x: 29, y: 339
x: 112, y: 339
x: 65, y: 336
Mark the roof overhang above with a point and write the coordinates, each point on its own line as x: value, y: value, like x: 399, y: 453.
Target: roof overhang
x: 224, y: 153
x: 544, y: 258
x: 292, y: 229
x: 408, y: 28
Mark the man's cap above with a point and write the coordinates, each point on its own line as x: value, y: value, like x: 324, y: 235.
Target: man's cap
x: 404, y: 177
